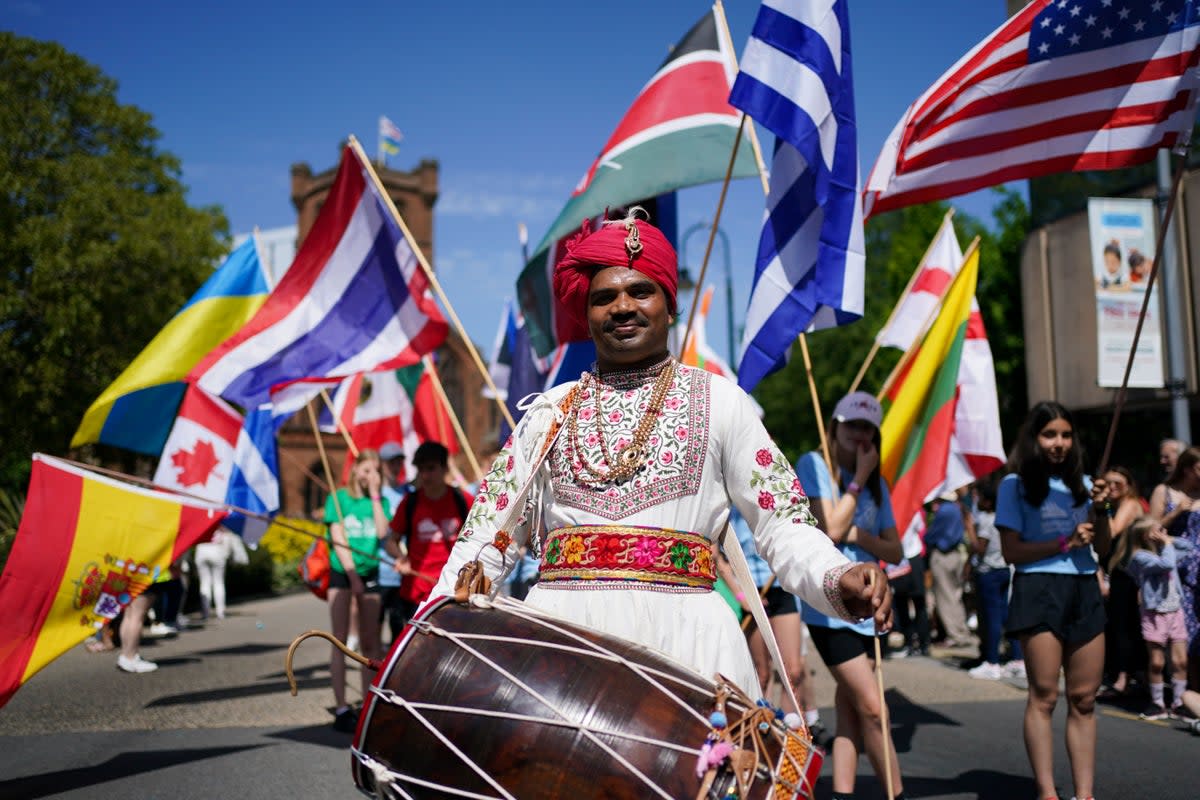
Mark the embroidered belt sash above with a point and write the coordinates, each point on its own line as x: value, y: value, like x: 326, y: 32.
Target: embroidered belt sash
x: 655, y: 558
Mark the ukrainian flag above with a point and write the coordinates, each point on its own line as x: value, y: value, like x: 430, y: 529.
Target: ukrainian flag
x: 136, y: 411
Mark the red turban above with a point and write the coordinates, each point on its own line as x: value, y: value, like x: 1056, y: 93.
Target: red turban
x: 613, y: 245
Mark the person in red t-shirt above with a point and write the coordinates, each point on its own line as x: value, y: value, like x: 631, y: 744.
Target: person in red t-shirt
x: 425, y: 526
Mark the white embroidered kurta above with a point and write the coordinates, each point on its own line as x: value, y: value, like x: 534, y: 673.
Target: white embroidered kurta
x: 708, y: 450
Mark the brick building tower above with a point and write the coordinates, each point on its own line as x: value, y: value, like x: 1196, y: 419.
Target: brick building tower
x: 301, y: 473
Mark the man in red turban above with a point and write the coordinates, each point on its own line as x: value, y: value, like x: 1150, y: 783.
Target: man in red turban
x: 631, y: 243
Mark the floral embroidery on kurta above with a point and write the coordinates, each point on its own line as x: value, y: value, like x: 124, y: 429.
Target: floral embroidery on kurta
x: 677, y: 443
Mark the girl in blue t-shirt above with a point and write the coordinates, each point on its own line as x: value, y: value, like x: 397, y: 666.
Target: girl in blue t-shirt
x: 1049, y: 522
x: 857, y: 516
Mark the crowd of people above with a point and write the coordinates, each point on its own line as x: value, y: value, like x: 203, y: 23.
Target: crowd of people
x: 1061, y: 574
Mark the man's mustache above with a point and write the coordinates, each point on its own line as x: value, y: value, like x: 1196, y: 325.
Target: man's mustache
x: 638, y: 319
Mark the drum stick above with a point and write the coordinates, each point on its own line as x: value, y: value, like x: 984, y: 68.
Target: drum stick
x: 884, y: 721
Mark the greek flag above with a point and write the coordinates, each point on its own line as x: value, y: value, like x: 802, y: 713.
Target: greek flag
x: 796, y: 80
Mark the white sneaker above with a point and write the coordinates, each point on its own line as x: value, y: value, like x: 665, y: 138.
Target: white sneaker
x: 135, y: 664
x: 987, y: 671
x: 352, y: 643
x: 159, y: 630
x: 1015, y: 669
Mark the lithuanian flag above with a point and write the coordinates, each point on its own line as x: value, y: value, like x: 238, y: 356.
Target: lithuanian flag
x: 87, y: 545
x: 919, y: 404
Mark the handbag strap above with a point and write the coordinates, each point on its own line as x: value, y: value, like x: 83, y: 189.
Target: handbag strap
x: 741, y: 571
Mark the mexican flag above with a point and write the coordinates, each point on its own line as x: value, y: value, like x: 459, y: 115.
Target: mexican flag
x: 399, y: 405
x: 920, y: 405
x: 678, y: 132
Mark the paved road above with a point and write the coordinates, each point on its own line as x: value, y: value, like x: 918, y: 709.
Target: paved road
x: 216, y: 720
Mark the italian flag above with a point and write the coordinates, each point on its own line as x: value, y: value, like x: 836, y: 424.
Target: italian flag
x: 678, y: 132
x: 921, y: 403
x: 398, y: 405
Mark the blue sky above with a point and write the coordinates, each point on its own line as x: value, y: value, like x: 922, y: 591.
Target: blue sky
x: 513, y: 99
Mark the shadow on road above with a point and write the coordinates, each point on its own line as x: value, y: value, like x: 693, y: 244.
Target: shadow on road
x: 234, y: 692
x: 323, y: 735
x: 117, y: 767
x: 252, y: 649
x: 907, y: 716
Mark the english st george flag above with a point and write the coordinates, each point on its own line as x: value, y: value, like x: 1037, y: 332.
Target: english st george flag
x: 1063, y: 86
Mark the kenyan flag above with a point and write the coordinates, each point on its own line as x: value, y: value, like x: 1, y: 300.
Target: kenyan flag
x: 679, y: 132
x: 920, y: 404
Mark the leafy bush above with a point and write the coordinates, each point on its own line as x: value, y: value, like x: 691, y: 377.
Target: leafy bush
x: 11, y: 508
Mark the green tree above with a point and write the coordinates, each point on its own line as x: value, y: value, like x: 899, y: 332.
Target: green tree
x: 98, y: 245
x: 896, y: 242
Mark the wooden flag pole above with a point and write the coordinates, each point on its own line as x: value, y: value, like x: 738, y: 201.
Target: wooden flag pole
x: 1119, y: 400
x: 712, y: 233
x: 433, y: 281
x: 946, y: 220
x: 341, y: 426
x: 458, y: 429
x: 884, y: 717
x: 911, y: 352
x: 752, y: 136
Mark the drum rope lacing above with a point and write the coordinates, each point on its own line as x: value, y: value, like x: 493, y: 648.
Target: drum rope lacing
x: 646, y: 673
x: 387, y: 778
x: 620, y: 759
x: 389, y: 696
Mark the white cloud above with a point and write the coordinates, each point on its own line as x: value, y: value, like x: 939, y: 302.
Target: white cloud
x: 502, y: 194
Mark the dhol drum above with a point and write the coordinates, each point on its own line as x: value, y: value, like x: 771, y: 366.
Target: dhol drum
x: 497, y: 700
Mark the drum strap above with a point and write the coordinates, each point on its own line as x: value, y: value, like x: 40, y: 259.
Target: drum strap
x: 741, y: 571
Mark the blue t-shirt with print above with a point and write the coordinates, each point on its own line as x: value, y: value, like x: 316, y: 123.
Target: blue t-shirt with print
x: 869, y: 517
x: 1057, y: 516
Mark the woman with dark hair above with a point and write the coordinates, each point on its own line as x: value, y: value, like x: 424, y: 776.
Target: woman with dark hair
x: 857, y: 516
x: 1176, y: 504
x: 1048, y: 526
x: 1125, y: 651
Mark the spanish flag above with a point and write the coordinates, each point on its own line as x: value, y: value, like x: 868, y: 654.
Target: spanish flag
x: 87, y: 545
x: 919, y: 419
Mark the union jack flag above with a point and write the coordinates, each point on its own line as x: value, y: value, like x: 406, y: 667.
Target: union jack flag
x: 1063, y: 86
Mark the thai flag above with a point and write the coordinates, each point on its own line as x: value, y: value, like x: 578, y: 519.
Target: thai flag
x: 796, y: 80
x: 354, y: 300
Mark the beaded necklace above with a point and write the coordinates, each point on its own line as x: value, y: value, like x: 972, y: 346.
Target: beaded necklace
x: 634, y: 455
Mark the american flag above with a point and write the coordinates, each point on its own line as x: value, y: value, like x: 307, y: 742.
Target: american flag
x: 1063, y: 86
x: 796, y: 80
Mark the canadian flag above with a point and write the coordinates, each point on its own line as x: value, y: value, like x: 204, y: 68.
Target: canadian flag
x: 198, y: 455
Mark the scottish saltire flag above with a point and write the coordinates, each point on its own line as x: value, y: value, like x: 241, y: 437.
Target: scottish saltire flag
x: 254, y: 479
x: 1059, y: 87
x: 137, y: 410
x: 796, y: 79
x: 354, y: 300
x: 389, y: 137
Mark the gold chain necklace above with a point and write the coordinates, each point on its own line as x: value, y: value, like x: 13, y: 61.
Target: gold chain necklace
x: 633, y: 456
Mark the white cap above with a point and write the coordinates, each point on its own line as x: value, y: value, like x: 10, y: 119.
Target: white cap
x: 859, y: 405
x: 390, y: 450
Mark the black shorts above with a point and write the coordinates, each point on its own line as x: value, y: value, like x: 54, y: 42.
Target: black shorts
x: 779, y: 601
x: 338, y: 580
x: 1069, y: 606
x: 839, y: 645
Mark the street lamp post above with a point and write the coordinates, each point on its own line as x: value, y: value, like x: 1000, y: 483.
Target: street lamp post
x: 699, y: 226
